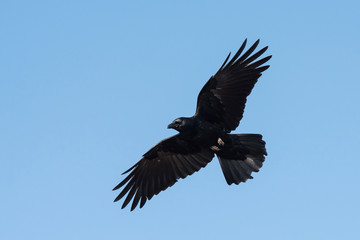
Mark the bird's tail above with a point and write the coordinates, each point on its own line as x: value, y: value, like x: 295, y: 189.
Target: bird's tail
x: 243, y: 156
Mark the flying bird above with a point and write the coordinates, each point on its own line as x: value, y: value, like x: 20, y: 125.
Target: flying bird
x: 220, y: 107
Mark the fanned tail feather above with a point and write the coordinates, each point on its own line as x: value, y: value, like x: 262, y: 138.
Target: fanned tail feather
x: 246, y: 155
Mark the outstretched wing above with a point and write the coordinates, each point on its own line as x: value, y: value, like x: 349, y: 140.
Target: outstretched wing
x: 222, y: 100
x: 160, y: 168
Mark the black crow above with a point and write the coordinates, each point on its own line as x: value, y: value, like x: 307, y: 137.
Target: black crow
x: 220, y: 107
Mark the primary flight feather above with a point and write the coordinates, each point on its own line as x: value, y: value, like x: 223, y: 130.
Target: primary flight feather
x: 220, y: 107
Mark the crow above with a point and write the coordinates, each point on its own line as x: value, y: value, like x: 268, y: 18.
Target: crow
x: 220, y: 107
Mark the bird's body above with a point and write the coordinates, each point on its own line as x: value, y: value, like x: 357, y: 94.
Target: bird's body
x: 202, y: 133
x: 220, y: 107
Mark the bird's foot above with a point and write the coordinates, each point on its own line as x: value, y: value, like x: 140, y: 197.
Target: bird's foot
x: 221, y: 142
x: 215, y: 148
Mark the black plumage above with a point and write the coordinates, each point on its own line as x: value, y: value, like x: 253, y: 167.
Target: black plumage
x: 220, y: 107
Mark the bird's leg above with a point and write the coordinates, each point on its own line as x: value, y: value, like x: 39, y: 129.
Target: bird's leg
x: 222, y: 139
x: 219, y: 146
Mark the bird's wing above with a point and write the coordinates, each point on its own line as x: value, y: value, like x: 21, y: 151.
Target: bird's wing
x: 160, y: 168
x: 222, y: 100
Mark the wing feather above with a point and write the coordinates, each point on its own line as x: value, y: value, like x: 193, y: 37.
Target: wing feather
x: 222, y: 99
x: 160, y: 168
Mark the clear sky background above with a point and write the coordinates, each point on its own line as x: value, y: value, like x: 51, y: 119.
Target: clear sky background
x: 87, y: 87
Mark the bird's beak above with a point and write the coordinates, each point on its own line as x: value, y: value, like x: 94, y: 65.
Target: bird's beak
x: 171, y: 125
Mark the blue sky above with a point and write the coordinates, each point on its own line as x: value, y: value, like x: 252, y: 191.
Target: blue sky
x: 87, y: 87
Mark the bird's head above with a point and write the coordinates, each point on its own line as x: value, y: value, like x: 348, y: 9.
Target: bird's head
x: 180, y: 124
